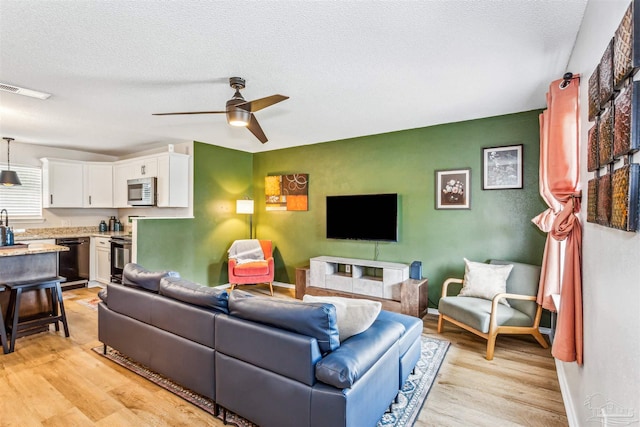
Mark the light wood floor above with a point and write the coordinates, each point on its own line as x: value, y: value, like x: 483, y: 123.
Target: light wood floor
x: 55, y: 381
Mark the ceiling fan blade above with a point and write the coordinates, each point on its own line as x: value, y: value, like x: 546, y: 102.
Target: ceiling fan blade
x: 256, y: 130
x: 190, y: 112
x: 259, y: 104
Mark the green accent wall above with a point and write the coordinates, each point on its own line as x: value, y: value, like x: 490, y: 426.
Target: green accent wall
x: 498, y: 225
x: 197, y: 248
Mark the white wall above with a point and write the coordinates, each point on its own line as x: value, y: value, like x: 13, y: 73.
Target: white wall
x: 611, y: 269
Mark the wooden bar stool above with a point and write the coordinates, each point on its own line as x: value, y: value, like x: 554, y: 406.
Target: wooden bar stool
x: 3, y: 330
x: 17, y: 327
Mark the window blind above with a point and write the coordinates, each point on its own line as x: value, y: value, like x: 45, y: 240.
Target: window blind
x: 23, y: 201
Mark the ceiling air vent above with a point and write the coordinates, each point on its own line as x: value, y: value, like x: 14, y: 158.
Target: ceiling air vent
x: 4, y: 87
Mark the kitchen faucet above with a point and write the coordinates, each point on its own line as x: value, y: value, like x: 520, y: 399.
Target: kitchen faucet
x: 6, y: 217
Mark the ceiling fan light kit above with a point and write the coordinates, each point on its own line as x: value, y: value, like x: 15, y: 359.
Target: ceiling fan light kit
x: 239, y: 112
x: 237, y: 116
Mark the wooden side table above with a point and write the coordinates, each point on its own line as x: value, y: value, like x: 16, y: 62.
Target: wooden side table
x: 302, y: 273
x: 414, y: 297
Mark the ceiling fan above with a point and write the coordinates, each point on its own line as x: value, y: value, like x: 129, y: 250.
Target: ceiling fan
x: 239, y: 111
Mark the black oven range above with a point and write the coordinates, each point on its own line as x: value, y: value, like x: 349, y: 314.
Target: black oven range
x: 120, y: 256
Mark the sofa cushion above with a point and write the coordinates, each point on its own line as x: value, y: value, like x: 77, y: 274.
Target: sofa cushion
x: 194, y: 293
x: 344, y: 366
x: 254, y: 268
x: 136, y: 276
x: 412, y: 328
x: 317, y: 320
x: 485, y: 280
x: 354, y: 315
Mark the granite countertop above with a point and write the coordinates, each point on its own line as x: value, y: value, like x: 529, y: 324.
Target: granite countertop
x: 34, y: 248
x: 65, y: 232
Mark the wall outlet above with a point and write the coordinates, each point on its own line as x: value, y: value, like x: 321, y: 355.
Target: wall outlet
x: 347, y: 268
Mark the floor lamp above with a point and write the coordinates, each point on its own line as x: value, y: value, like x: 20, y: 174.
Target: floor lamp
x: 245, y: 206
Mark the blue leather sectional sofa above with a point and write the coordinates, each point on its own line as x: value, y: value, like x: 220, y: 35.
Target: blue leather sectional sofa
x: 274, y: 362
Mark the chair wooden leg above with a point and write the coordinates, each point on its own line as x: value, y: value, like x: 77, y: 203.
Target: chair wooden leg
x: 491, y: 345
x: 271, y: 288
x: 538, y: 336
x: 440, y: 323
x: 233, y: 286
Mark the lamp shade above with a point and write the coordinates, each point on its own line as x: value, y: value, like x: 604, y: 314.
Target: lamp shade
x: 9, y: 178
x: 244, y: 206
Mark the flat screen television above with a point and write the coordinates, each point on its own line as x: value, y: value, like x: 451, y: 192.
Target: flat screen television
x: 363, y: 217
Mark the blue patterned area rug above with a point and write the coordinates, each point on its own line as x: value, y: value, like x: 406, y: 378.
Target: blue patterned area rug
x: 415, y: 390
x: 404, y: 413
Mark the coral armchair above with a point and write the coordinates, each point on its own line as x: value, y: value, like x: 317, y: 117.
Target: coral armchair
x: 254, y: 272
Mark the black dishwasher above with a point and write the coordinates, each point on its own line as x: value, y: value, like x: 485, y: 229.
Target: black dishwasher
x: 74, y: 263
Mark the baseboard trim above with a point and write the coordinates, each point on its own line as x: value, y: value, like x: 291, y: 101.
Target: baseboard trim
x: 284, y: 285
x: 569, y: 407
x: 545, y: 331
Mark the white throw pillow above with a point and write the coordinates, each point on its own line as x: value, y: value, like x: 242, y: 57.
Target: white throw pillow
x: 485, y: 280
x: 353, y: 315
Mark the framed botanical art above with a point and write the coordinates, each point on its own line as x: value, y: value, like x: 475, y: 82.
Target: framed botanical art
x: 453, y: 189
x: 502, y: 167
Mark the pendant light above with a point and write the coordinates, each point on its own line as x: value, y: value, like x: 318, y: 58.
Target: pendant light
x: 9, y: 178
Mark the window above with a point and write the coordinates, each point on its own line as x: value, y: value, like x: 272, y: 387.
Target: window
x: 23, y: 201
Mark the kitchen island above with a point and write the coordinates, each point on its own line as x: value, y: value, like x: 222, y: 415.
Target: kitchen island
x: 29, y: 262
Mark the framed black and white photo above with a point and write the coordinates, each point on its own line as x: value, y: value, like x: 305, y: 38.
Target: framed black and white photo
x: 453, y: 189
x: 502, y: 167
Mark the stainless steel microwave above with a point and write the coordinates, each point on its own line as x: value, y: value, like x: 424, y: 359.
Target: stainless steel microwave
x: 141, y: 191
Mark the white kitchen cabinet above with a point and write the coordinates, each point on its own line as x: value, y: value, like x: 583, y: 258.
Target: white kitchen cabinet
x: 144, y: 167
x: 102, y: 259
x: 121, y: 173
x: 98, y: 185
x: 173, y: 180
x: 76, y: 184
x: 62, y: 183
x: 171, y: 170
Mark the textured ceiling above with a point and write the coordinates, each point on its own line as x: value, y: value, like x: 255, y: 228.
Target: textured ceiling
x: 350, y: 68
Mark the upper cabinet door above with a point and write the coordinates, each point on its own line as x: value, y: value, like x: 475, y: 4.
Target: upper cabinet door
x: 144, y: 168
x: 121, y: 173
x: 173, y: 180
x: 98, y: 188
x: 62, y: 184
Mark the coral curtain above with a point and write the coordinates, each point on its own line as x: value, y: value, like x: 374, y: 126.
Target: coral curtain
x: 560, y: 188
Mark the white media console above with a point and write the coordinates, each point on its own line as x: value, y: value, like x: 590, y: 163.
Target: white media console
x: 357, y: 276
x: 387, y: 282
